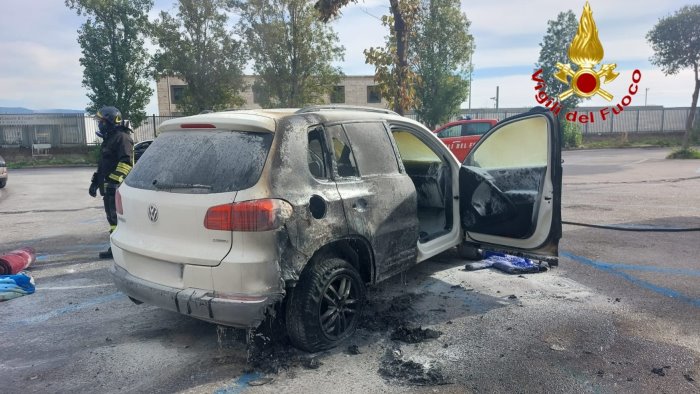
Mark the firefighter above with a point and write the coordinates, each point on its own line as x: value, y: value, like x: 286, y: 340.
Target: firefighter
x: 115, y: 162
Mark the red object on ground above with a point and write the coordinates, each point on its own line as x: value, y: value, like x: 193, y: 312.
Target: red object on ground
x: 13, y: 262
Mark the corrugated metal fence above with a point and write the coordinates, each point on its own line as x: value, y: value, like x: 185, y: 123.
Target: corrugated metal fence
x: 631, y: 120
x: 66, y: 130
x: 62, y: 130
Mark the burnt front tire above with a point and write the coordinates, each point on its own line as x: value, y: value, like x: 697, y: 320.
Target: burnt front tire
x: 325, y: 306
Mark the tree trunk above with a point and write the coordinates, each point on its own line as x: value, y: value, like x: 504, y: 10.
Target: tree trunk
x: 402, y: 61
x: 693, y: 109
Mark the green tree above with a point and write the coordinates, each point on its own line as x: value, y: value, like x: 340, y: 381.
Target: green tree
x: 196, y: 46
x: 676, y: 43
x: 116, y: 65
x: 292, y: 50
x: 443, y: 49
x: 394, y: 74
x: 554, y: 49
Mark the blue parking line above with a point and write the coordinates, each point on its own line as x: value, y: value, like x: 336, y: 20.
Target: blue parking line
x: 47, y: 257
x: 634, y: 267
x: 70, y: 250
x: 71, y: 308
x: 617, y: 270
x: 238, y: 385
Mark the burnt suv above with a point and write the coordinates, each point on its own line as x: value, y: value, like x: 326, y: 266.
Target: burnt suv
x: 3, y: 173
x: 229, y: 215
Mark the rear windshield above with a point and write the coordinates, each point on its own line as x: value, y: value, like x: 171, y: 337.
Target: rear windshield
x: 202, y: 162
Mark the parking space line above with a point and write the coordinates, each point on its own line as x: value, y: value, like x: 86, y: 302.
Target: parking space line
x: 634, y: 267
x: 240, y: 384
x: 612, y: 269
x: 74, y: 287
x: 71, y: 308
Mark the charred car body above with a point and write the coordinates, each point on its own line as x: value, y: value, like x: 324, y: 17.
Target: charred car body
x: 229, y: 214
x: 3, y: 173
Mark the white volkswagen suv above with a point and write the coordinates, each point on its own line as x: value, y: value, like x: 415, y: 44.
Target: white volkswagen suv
x: 228, y: 215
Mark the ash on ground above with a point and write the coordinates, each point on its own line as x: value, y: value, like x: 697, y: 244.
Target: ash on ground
x: 414, y: 335
x: 405, y: 371
x: 378, y: 317
x: 269, y: 350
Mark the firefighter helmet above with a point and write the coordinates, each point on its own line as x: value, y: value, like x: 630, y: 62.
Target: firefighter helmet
x: 107, y: 119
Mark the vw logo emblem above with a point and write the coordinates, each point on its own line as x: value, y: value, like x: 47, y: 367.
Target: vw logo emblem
x: 153, y: 213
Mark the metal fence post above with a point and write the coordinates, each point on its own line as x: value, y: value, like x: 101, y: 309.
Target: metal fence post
x: 637, y: 128
x: 154, y: 125
x: 663, y: 115
x: 612, y: 124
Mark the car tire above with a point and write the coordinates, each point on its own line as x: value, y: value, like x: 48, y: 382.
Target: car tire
x: 469, y: 252
x: 3, y: 183
x: 317, y: 316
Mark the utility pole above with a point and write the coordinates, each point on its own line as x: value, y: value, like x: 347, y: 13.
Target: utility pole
x: 471, y: 66
x: 497, y: 96
x: 470, y: 83
x: 645, y: 96
x: 495, y: 99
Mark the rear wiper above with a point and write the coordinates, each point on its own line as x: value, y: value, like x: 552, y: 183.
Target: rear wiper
x: 161, y: 186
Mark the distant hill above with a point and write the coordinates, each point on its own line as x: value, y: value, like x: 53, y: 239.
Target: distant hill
x: 59, y: 111
x: 22, y: 111
x: 15, y: 110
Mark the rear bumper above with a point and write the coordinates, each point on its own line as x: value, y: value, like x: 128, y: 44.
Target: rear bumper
x: 197, y: 303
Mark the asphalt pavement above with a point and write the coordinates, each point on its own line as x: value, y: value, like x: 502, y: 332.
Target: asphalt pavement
x: 620, y: 314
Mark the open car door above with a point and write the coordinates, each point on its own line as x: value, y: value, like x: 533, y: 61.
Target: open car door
x: 510, y: 187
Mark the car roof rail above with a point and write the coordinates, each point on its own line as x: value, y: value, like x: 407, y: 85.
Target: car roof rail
x: 315, y: 108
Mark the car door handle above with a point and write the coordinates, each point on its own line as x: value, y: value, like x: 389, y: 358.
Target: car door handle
x: 360, y: 205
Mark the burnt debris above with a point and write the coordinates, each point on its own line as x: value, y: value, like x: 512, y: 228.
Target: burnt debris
x: 399, y: 370
x: 414, y: 335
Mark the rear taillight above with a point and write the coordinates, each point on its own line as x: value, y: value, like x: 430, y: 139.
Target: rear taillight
x: 255, y: 215
x: 118, y: 203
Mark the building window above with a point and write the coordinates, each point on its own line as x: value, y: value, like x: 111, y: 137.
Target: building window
x: 338, y: 95
x: 177, y: 93
x: 373, y: 94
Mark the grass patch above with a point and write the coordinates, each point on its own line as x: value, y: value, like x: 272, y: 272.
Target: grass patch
x: 621, y: 143
x: 56, y: 161
x: 689, y: 153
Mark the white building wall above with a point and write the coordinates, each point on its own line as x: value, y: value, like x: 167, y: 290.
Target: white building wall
x: 355, y: 93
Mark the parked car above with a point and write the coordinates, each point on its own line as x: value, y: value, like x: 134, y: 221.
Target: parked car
x: 3, y: 173
x: 231, y: 213
x: 140, y: 148
x: 461, y: 135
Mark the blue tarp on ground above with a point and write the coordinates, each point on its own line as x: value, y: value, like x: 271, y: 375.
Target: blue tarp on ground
x: 13, y: 286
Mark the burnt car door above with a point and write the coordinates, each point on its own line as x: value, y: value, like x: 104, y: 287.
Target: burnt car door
x: 378, y: 197
x: 510, y: 187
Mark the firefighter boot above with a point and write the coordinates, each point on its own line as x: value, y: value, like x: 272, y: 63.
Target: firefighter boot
x: 107, y: 254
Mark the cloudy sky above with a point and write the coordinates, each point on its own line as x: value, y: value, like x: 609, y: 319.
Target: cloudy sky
x: 39, y: 54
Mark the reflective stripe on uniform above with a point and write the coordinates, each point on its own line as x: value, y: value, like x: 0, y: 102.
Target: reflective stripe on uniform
x: 122, y: 170
x: 112, y: 228
x: 116, y: 178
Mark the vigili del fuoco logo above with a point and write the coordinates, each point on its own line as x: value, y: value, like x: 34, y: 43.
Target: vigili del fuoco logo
x: 586, y: 52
